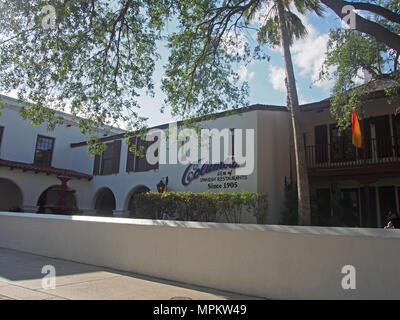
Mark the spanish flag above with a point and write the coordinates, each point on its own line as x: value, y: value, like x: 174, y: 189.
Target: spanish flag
x: 356, y: 131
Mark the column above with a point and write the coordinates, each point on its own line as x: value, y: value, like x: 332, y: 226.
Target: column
x: 378, y: 208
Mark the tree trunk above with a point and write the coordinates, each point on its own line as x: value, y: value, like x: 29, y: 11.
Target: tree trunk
x: 303, y: 190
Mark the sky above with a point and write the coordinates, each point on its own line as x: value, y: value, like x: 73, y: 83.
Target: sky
x: 266, y: 78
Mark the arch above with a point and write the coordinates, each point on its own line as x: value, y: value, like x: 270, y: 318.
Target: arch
x: 129, y: 201
x: 50, y: 197
x: 11, y: 196
x: 104, y: 202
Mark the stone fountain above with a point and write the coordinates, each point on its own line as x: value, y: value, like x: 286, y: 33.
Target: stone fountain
x: 61, y: 207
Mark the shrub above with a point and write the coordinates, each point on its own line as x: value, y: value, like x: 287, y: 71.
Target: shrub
x: 206, y: 206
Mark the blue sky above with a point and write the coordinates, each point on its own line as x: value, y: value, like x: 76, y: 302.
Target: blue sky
x: 266, y: 78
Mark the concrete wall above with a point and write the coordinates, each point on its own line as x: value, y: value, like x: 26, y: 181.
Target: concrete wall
x: 276, y: 262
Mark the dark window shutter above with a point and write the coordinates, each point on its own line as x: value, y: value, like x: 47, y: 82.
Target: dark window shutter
x: 117, y: 155
x: 96, y: 165
x: 383, y: 136
x: 1, y: 134
x: 366, y: 133
x: 321, y: 143
x: 396, y: 134
x: 130, y: 160
x: 140, y: 165
x: 154, y: 166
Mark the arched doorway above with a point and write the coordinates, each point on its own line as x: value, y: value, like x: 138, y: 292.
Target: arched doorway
x: 105, y: 203
x: 10, y: 196
x: 50, y: 197
x: 131, y: 202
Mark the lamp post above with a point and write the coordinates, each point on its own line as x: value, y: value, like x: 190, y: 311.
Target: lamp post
x: 160, y: 187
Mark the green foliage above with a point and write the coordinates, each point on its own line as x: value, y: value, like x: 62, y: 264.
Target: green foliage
x: 206, y: 206
x: 350, y: 54
x: 321, y: 211
x: 93, y: 64
x: 268, y: 33
x: 289, y: 215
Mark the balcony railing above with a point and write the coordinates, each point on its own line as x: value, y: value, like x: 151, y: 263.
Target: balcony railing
x: 342, y: 154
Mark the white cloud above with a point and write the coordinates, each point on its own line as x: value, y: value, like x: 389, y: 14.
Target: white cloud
x: 276, y: 76
x: 244, y: 74
x: 309, y: 54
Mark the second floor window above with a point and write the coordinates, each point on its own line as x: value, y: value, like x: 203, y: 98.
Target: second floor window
x: 44, y: 151
x: 108, y: 162
x: 138, y: 163
x: 1, y: 134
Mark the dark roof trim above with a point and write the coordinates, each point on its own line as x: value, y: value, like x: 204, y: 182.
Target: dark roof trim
x: 326, y: 103
x: 255, y: 107
x: 49, y: 170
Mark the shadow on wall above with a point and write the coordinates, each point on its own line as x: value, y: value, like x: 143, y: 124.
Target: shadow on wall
x: 11, y: 198
x: 105, y: 203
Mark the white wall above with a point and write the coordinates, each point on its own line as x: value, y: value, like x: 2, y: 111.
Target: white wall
x: 123, y: 183
x: 271, y: 162
x: 276, y: 262
x: 32, y: 185
x: 19, y: 138
x: 273, y: 148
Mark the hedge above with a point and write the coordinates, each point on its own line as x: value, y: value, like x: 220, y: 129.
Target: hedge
x: 206, y: 206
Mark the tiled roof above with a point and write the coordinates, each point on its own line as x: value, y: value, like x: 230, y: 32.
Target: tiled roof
x: 49, y: 170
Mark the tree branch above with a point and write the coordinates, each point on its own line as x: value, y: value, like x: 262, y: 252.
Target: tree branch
x: 383, y: 12
x: 380, y: 33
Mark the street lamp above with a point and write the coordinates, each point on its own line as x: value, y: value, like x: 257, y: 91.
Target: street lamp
x: 160, y: 186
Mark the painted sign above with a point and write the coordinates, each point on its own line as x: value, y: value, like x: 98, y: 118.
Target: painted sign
x: 225, y: 178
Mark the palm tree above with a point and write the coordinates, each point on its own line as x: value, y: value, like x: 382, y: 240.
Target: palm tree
x: 281, y: 27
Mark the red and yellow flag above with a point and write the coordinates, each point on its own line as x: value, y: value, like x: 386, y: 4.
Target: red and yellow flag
x: 356, y: 131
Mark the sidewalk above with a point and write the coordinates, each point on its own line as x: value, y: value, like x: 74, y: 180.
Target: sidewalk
x: 21, y: 279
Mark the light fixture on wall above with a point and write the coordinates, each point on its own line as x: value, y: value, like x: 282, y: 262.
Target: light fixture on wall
x: 161, y: 186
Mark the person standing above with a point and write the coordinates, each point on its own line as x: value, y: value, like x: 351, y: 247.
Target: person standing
x: 393, y: 220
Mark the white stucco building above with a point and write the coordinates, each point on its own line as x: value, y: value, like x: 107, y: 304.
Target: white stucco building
x: 340, y: 175
x: 32, y: 157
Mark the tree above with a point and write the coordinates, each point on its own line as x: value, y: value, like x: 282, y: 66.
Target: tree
x: 203, y: 46
x: 303, y: 189
x: 101, y: 54
x: 351, y: 53
x: 94, y: 61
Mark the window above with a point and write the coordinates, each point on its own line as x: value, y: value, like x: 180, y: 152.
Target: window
x: 44, y: 150
x: 135, y: 163
x: 342, y: 148
x: 1, y: 134
x: 108, y: 162
x: 232, y: 143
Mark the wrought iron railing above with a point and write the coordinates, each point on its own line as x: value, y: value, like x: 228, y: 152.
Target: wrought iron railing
x: 343, y: 154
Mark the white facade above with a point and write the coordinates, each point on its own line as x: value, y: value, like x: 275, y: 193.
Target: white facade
x: 271, y: 163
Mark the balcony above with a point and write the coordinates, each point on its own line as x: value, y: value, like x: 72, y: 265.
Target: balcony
x: 381, y: 154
